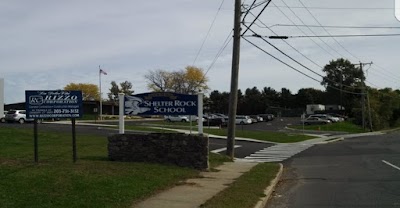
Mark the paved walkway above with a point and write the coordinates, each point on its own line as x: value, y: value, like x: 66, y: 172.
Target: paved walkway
x: 195, y: 192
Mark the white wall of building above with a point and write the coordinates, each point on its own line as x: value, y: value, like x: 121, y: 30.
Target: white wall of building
x: 310, y: 109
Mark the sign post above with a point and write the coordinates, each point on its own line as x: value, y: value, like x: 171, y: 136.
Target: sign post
x: 41, y: 104
x: 73, y: 140
x: 303, y: 117
x: 200, y: 112
x: 35, y: 141
x: 121, y: 113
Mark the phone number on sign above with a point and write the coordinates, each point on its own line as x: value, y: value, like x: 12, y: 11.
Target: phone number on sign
x: 66, y: 111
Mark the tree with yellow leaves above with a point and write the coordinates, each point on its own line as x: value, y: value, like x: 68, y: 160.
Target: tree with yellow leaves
x: 89, y: 91
x: 188, y: 81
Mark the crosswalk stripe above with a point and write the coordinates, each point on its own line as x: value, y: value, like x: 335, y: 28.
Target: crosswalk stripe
x: 281, y: 152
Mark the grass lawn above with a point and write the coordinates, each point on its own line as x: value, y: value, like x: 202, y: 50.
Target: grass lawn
x: 247, y: 189
x: 340, y: 126
x: 92, y: 182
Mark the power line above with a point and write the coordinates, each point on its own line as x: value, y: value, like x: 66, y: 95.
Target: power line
x: 287, y: 43
x: 313, y: 31
x: 255, y: 5
x: 337, y: 8
x: 320, y: 25
x: 297, y: 52
x: 221, y: 50
x: 354, y: 56
x: 328, y: 31
x: 276, y: 48
x: 287, y: 17
x: 330, y: 36
x: 248, y: 10
x: 389, y: 73
x: 345, y: 91
x: 208, y: 32
x: 262, y: 10
x: 335, y: 26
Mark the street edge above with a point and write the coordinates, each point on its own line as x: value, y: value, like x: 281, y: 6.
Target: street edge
x: 268, y: 191
x: 330, y: 141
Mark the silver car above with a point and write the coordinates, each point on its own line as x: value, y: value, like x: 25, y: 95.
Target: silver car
x: 315, y: 120
x: 17, y: 116
x: 243, y: 120
x: 3, y: 118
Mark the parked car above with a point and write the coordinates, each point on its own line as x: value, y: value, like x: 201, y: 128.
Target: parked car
x: 341, y: 117
x: 326, y: 117
x: 256, y: 118
x: 216, y: 122
x: 219, y: 115
x: 315, y: 120
x: 18, y: 116
x: 267, y: 117
x: 3, y: 118
x: 243, y: 120
x: 180, y: 118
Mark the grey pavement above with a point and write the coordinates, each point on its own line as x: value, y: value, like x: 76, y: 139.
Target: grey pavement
x: 195, y: 192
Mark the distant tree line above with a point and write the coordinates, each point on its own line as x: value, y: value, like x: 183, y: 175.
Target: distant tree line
x: 344, y: 85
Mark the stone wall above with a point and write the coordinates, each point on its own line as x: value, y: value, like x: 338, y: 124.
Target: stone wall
x: 166, y: 148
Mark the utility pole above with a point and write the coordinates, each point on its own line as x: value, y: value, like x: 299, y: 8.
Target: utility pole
x: 362, y: 100
x: 363, y: 93
x: 341, y: 88
x: 369, y: 114
x: 233, y: 98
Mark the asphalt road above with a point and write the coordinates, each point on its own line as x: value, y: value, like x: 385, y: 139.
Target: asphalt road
x: 357, y: 172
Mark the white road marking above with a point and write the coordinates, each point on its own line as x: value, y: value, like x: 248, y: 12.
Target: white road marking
x: 224, y: 149
x: 390, y: 164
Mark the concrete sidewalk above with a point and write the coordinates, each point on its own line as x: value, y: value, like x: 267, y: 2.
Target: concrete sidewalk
x: 195, y: 192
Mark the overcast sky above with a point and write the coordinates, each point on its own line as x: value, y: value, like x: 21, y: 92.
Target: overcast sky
x: 46, y: 44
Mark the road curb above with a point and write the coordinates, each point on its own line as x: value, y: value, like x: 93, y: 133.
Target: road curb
x: 268, y: 191
x: 330, y: 141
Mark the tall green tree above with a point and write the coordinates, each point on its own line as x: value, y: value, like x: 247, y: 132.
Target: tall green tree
x: 384, y: 107
x: 286, y: 98
x: 270, y: 97
x: 219, y: 102
x: 307, y: 96
x: 343, y: 82
x: 254, y: 102
x: 124, y: 87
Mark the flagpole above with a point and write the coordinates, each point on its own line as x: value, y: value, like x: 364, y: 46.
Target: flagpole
x: 101, y: 102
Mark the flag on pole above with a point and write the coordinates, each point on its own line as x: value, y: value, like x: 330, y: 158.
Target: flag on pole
x: 102, y: 72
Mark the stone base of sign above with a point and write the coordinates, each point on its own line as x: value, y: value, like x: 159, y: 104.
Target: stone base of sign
x: 166, y: 148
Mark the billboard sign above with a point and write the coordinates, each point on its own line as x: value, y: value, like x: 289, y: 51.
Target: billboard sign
x: 53, y: 104
x: 161, y: 103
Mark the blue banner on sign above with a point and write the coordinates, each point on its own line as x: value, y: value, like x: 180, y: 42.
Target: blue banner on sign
x: 53, y: 104
x: 161, y: 103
